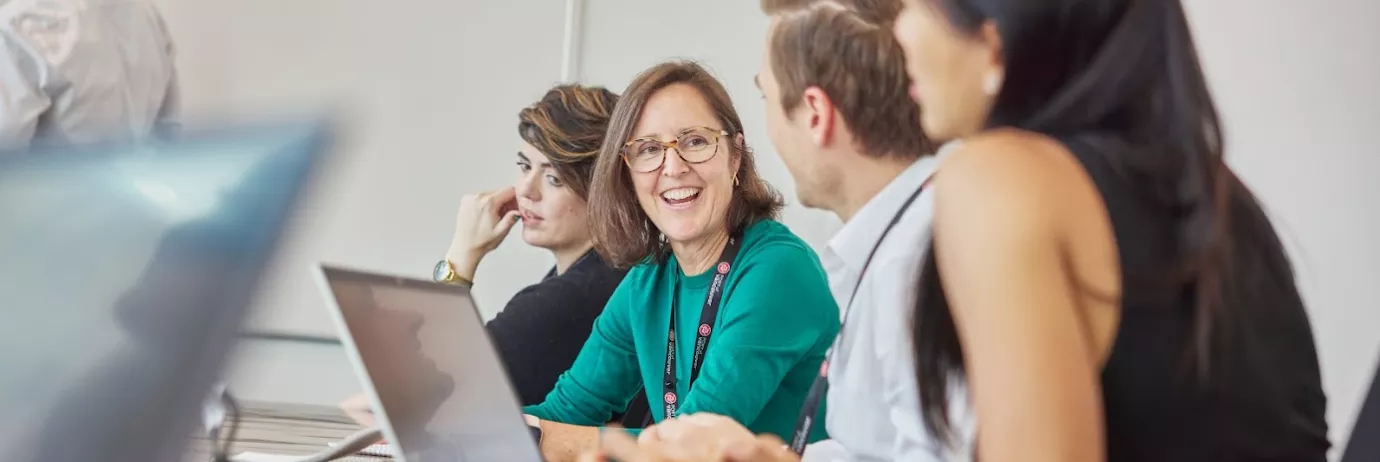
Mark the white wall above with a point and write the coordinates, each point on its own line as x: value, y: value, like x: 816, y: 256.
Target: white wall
x: 433, y: 88
x: 430, y: 91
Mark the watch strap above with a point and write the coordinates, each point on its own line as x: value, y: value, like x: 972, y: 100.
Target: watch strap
x: 449, y: 276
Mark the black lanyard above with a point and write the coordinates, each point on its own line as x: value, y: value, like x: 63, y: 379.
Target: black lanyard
x: 820, y: 387
x: 669, y: 396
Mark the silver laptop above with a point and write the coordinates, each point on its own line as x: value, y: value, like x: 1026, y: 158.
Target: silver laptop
x: 125, y: 273
x: 435, y: 380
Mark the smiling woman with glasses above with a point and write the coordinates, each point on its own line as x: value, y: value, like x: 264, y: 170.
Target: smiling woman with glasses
x: 723, y: 310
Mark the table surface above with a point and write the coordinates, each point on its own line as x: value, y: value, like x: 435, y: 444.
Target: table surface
x: 285, y: 429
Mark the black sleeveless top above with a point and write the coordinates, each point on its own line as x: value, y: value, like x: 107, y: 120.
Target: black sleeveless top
x: 1263, y: 399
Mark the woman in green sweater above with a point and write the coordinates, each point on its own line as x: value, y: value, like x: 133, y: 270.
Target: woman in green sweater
x: 676, y: 196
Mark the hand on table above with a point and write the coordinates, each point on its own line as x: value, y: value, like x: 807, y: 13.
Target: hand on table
x: 563, y: 442
x: 358, y: 409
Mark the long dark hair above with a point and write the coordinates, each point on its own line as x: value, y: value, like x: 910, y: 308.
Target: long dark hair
x: 1128, y: 71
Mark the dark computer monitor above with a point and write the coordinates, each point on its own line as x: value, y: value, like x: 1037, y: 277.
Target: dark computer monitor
x: 125, y: 274
x: 1364, y: 443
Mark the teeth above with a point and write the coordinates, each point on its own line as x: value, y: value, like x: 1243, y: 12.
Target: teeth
x: 680, y: 193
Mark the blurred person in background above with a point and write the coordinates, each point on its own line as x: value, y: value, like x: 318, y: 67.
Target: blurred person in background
x: 79, y: 71
x: 542, y: 328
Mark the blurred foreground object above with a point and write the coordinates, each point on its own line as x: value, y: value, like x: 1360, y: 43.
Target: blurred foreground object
x: 125, y: 274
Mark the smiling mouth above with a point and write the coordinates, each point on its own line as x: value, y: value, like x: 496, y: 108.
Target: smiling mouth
x: 680, y: 197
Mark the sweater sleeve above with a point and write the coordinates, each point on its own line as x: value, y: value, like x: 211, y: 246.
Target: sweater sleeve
x: 775, y: 316
x: 604, y: 376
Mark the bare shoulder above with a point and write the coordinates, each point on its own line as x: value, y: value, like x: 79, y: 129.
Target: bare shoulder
x: 1019, y: 174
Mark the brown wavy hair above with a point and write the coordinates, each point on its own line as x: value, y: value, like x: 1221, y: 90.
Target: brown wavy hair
x: 568, y: 125
x: 845, y: 47
x: 623, y: 234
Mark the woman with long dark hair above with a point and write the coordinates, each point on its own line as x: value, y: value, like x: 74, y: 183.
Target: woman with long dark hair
x: 1104, y: 283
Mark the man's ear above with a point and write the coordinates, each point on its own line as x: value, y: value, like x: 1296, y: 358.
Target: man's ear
x: 819, y: 114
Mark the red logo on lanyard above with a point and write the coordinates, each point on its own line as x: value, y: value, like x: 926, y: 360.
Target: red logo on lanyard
x: 670, y: 398
x: 704, y: 330
x: 723, y: 267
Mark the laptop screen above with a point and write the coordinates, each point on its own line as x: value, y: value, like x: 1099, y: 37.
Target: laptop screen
x: 125, y: 275
x: 441, y: 387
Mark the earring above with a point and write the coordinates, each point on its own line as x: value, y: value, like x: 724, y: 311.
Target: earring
x: 735, y: 179
x: 991, y: 83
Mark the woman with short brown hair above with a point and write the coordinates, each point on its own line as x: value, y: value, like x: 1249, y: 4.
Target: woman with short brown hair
x: 724, y: 310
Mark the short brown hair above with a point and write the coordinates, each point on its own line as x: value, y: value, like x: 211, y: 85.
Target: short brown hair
x: 845, y: 47
x: 623, y: 234
x: 568, y: 126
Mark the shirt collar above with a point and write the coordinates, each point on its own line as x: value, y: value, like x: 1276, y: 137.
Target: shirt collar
x: 856, y: 238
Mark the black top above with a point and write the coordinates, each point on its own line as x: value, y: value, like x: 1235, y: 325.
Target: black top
x: 1364, y: 442
x: 541, y: 330
x: 1264, y: 400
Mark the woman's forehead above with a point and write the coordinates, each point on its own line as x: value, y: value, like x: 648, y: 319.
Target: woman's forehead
x: 530, y: 153
x: 673, y: 110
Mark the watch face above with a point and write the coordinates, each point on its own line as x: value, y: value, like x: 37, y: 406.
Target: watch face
x: 441, y: 271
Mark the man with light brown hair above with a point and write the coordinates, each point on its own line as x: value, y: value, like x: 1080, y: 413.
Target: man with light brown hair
x: 840, y: 117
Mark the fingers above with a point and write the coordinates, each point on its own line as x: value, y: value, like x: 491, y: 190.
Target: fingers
x: 650, y: 435
x: 506, y: 223
x: 766, y: 448
x: 501, y: 196
x: 501, y: 204
x: 673, y: 430
x: 471, y: 206
x: 621, y: 447
x: 505, y: 202
x: 358, y: 409
x: 591, y: 457
x: 702, y: 434
x: 473, y: 197
x: 498, y: 200
x: 357, y: 401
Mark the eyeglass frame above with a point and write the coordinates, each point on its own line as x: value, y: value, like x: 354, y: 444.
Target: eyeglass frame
x: 674, y: 144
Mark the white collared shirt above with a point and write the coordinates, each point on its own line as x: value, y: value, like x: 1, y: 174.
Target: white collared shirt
x: 873, y: 409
